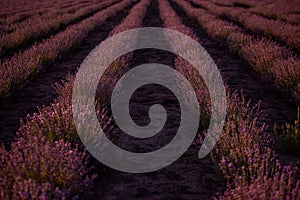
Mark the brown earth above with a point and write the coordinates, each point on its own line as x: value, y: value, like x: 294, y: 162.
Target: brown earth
x: 40, y: 91
x: 188, y: 177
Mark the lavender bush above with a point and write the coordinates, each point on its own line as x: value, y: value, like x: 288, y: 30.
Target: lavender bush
x: 248, y: 164
x: 265, y: 56
x: 49, y: 166
x: 172, y: 21
x: 23, y: 65
x: 277, y: 9
x: 243, y: 152
x: 276, y: 29
x: 17, y: 20
x: 54, y: 167
x: 280, y: 186
x: 42, y: 27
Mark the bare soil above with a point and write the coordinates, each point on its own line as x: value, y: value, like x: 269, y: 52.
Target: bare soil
x: 188, y: 177
x: 39, y: 91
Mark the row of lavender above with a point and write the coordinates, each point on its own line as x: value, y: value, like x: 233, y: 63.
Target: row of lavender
x: 16, y: 70
x: 270, y: 28
x: 13, y: 9
x: 273, y: 9
x: 32, y: 31
x: 269, y: 59
x: 11, y: 22
x: 289, y: 139
x: 172, y: 21
x: 51, y: 161
x: 250, y: 168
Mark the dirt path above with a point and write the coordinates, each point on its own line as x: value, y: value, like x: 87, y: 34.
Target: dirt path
x: 186, y: 178
x: 239, y: 75
x: 39, y: 92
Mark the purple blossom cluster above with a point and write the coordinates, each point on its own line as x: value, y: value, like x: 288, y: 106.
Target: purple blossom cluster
x: 278, y: 186
x: 246, y: 160
x: 36, y: 168
x: 199, y: 86
x: 42, y: 26
x: 280, y: 10
x: 172, y: 21
x: 47, y: 160
x: 54, y: 121
x: 14, y: 15
x: 133, y: 19
x: 23, y: 65
x: 243, y: 152
x: 14, y: 7
x: 51, y: 163
x: 265, y: 56
x: 18, y: 20
x: 270, y: 28
x: 121, y: 65
x: 273, y: 9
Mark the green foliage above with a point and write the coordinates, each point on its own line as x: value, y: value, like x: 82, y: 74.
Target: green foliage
x: 289, y: 137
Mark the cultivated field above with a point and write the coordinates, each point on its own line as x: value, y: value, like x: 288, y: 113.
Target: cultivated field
x: 255, y: 45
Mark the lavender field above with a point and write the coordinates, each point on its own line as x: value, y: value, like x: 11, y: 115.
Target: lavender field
x: 255, y: 45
